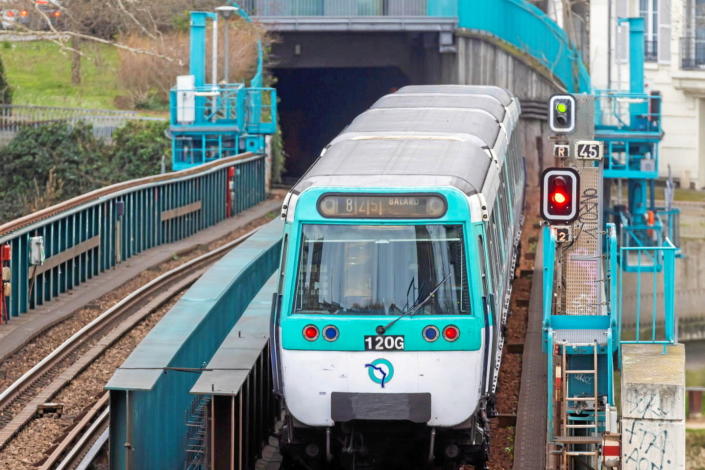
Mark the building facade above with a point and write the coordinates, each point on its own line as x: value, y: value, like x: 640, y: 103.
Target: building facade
x: 675, y: 66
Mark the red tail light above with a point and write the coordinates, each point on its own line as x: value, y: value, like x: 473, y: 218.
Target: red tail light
x: 451, y: 333
x: 310, y: 332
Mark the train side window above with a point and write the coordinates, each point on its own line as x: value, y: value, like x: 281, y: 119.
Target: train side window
x: 483, y: 266
x: 498, y: 228
x: 282, y: 264
x: 506, y: 178
x: 492, y: 247
x: 517, y: 163
x: 506, y: 220
x: 508, y: 169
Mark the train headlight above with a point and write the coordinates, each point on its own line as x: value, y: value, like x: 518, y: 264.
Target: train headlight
x: 330, y: 333
x: 430, y: 333
x: 310, y: 332
x: 451, y: 333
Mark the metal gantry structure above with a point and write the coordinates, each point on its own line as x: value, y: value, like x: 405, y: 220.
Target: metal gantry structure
x: 611, y: 140
x: 216, y: 119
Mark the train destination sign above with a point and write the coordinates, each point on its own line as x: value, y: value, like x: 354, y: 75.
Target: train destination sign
x: 382, y: 206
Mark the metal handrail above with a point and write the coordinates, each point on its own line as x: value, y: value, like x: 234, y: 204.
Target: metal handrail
x: 28, y: 222
x: 662, y: 265
x: 91, y: 233
x: 692, y: 52
x: 277, y: 8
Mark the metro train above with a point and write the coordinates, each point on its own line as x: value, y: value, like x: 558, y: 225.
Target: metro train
x: 393, y: 291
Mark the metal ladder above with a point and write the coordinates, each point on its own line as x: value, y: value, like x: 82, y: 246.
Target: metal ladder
x: 197, y: 435
x: 567, y: 439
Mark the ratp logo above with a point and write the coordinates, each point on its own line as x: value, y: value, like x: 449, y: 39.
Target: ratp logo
x: 380, y: 371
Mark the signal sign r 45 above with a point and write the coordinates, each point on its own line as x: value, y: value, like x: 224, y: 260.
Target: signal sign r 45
x: 589, y: 150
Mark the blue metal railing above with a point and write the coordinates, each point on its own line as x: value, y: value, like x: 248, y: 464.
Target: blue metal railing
x: 625, y: 111
x: 92, y: 233
x: 337, y: 7
x: 527, y: 28
x: 654, y: 320
x: 249, y: 109
x: 210, y: 122
x: 261, y: 106
x: 630, y: 126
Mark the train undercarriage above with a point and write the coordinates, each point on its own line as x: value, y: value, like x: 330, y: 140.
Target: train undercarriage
x: 388, y: 445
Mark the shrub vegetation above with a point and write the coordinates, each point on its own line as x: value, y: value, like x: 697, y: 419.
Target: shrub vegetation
x: 48, y: 164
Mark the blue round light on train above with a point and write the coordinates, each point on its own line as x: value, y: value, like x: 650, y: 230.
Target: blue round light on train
x: 330, y: 333
x: 430, y: 333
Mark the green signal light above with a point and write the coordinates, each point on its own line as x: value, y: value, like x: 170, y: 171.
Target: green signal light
x: 561, y: 107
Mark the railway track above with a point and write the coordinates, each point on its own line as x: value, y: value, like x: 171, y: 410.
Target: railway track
x: 33, y: 391
x: 80, y: 446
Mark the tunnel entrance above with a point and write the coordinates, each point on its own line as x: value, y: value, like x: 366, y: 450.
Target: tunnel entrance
x: 317, y: 103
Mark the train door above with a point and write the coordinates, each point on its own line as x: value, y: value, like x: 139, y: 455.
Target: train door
x: 488, y: 308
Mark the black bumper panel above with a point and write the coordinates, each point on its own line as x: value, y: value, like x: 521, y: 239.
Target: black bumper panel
x: 414, y: 407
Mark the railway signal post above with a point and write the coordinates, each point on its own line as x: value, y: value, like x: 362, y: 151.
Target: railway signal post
x: 606, y: 142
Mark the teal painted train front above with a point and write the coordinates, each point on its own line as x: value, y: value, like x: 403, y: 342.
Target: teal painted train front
x: 356, y: 303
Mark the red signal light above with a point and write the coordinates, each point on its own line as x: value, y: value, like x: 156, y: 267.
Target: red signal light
x: 559, y: 198
x: 559, y: 195
x: 559, y: 191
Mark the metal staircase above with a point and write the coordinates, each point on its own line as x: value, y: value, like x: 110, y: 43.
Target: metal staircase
x: 197, y: 435
x: 579, y: 414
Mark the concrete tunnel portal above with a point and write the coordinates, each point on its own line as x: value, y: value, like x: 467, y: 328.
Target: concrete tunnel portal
x: 317, y: 103
x: 326, y: 78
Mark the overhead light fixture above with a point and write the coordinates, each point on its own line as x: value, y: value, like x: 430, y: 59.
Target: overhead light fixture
x: 226, y: 11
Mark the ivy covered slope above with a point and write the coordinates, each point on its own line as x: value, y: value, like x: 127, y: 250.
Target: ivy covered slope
x: 51, y: 163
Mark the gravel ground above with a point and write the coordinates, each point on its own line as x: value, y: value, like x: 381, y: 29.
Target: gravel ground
x: 30, y: 446
x: 17, y: 364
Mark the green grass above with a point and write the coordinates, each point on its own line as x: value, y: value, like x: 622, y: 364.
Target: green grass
x: 695, y: 378
x: 40, y: 74
x: 684, y: 195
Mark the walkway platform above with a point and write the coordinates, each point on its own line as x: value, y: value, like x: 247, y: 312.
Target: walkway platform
x: 232, y: 362
x: 21, y: 330
x: 530, y: 447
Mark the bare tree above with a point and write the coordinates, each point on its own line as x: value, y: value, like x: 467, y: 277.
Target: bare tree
x: 107, y: 22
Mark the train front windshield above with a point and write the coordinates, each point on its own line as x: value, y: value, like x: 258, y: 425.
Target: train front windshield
x: 382, y: 270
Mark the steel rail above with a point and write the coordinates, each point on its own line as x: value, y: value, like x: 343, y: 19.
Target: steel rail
x: 130, y: 309
x: 72, y: 450
x: 114, y: 190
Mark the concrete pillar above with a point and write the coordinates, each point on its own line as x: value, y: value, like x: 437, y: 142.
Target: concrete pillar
x: 653, y: 407
x: 268, y: 164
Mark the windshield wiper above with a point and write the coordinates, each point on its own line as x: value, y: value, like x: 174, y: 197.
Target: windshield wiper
x: 414, y: 308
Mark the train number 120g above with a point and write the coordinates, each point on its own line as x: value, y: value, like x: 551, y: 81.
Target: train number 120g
x: 384, y: 343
